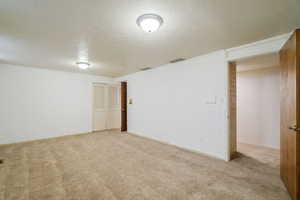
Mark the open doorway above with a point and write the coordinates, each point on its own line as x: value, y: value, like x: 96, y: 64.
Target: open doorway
x: 255, y: 99
x: 289, y: 68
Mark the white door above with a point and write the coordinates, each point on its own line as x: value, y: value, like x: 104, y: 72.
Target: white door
x: 99, y: 107
x: 114, y: 107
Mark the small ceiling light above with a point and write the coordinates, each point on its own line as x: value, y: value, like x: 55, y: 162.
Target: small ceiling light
x: 83, y: 65
x: 149, y: 22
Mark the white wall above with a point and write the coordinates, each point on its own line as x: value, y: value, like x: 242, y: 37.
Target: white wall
x: 38, y: 103
x: 258, y: 107
x: 184, y: 104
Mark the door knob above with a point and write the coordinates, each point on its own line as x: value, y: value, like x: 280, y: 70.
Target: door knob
x: 294, y: 128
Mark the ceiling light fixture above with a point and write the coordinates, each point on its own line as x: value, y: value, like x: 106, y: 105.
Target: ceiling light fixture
x: 83, y: 65
x: 149, y: 22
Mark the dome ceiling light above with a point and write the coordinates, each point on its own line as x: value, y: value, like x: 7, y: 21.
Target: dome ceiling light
x: 83, y: 65
x: 149, y: 22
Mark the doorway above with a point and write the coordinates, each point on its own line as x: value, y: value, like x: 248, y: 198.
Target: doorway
x: 289, y: 57
x: 256, y: 87
x: 106, y: 106
x: 258, y: 108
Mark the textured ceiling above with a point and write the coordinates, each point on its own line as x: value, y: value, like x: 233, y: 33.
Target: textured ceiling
x: 258, y: 62
x: 56, y: 33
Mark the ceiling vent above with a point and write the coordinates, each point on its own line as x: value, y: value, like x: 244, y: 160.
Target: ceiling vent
x: 177, y: 60
x: 145, y: 68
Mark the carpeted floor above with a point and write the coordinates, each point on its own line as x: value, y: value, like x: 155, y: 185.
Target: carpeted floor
x: 110, y: 165
x: 265, y: 155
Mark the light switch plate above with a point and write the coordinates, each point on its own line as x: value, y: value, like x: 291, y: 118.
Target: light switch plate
x: 212, y: 100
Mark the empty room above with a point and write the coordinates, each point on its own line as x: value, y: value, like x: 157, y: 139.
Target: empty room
x: 134, y: 100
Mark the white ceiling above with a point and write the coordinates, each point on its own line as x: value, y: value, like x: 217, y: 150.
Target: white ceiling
x: 258, y: 62
x: 56, y: 33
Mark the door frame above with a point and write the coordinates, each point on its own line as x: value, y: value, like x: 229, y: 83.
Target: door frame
x: 262, y: 47
x: 123, y: 106
x: 232, y: 110
x: 231, y: 139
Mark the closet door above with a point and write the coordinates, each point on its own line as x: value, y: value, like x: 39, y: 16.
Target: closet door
x: 100, y: 107
x: 114, y: 107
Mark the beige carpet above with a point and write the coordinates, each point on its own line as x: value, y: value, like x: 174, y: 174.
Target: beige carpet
x: 265, y: 155
x: 122, y: 166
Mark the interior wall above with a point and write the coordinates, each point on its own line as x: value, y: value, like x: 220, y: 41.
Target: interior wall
x: 258, y: 106
x: 184, y: 104
x: 39, y: 103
